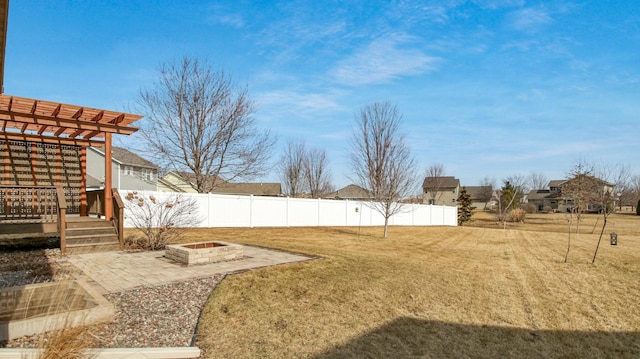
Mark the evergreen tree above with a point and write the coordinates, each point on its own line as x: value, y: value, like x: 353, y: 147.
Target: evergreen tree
x: 464, y: 206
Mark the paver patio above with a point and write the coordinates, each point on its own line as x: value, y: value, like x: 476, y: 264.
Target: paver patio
x: 118, y: 271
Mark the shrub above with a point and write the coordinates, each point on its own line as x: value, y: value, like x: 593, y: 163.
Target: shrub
x: 516, y: 215
x: 160, y: 220
x: 68, y: 343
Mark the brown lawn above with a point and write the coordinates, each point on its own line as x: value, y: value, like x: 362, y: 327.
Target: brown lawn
x: 432, y: 292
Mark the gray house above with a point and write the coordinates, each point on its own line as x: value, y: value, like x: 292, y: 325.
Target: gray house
x: 129, y: 171
x: 559, y: 198
x: 352, y: 192
x: 441, y: 191
x: 480, y: 196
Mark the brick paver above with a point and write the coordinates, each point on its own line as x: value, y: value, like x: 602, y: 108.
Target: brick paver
x: 118, y: 271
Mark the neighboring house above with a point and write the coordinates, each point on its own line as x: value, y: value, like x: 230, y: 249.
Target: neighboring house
x: 351, y: 192
x: 543, y: 200
x: 441, y: 191
x: 129, y: 171
x: 175, y: 182
x: 184, y: 182
x: 256, y: 189
x: 558, y: 197
x: 480, y: 196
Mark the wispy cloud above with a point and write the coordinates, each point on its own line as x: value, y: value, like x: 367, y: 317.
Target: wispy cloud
x: 495, y: 4
x: 383, y: 61
x: 219, y: 15
x: 412, y: 12
x: 529, y: 19
x: 301, y: 104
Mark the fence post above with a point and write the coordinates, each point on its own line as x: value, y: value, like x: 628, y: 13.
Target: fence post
x: 346, y: 212
x: 251, y: 211
x: 286, y: 213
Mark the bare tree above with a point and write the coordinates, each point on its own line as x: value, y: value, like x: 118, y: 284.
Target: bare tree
x: 508, y: 197
x: 578, y: 191
x: 380, y: 160
x: 316, y: 175
x: 291, y: 168
x: 613, y: 179
x: 537, y: 180
x: 630, y: 195
x: 486, y: 193
x: 161, y: 220
x: 433, y: 182
x: 198, y: 120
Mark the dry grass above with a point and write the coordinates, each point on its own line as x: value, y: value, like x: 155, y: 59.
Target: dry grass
x: 433, y: 292
x: 68, y: 343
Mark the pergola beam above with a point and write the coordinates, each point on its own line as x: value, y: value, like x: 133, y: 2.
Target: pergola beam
x: 50, y: 139
x: 67, y: 124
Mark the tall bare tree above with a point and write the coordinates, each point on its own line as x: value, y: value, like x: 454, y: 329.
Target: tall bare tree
x: 199, y: 120
x: 537, y: 180
x: 304, y: 170
x: 433, y: 182
x: 316, y: 174
x: 630, y: 195
x: 486, y: 193
x: 380, y: 159
x: 292, y: 167
x: 614, y: 178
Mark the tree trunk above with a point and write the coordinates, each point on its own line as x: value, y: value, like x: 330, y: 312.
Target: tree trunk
x: 599, y: 239
x: 566, y: 256
x: 386, y: 224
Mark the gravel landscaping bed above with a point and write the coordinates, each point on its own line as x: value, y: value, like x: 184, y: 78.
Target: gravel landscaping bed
x: 161, y: 316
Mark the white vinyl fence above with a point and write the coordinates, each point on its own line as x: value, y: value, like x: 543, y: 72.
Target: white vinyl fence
x: 215, y: 210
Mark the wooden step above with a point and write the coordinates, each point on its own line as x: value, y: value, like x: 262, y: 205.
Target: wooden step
x: 92, y: 248
x: 88, y: 234
x: 92, y: 238
x: 84, y: 231
x: 86, y: 222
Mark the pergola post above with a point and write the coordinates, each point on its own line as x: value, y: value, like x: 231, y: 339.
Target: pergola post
x: 83, y: 182
x: 108, y: 178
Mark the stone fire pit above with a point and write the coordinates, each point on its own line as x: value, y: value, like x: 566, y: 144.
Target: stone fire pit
x: 203, y: 252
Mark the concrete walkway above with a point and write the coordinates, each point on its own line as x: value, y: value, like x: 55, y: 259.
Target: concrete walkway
x: 119, y: 271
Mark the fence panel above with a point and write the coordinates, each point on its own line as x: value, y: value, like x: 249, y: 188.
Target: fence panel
x: 215, y: 210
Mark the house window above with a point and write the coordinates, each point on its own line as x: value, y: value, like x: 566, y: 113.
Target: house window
x: 128, y: 171
x: 147, y: 174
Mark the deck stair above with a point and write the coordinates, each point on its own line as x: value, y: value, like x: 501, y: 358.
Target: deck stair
x: 89, y: 234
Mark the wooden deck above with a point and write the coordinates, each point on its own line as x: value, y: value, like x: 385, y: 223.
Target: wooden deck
x: 29, y: 214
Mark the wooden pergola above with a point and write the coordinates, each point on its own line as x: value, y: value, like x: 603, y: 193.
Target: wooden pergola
x: 39, y: 121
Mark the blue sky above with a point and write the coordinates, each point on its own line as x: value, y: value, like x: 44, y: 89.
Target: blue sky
x: 487, y: 88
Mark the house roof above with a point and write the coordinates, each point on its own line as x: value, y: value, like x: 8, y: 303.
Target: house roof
x: 556, y: 183
x: 444, y: 182
x: 588, y: 177
x: 351, y: 191
x: 538, y: 194
x: 126, y: 157
x: 477, y: 191
x: 256, y: 189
